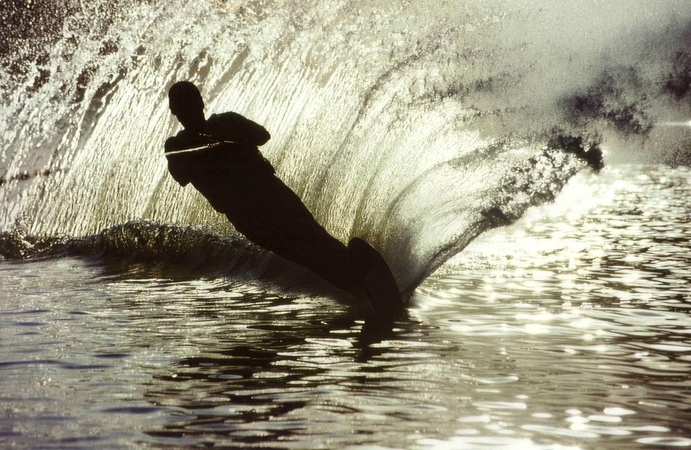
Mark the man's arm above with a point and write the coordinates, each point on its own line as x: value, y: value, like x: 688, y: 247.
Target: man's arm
x: 258, y: 134
x: 175, y: 162
x: 234, y: 127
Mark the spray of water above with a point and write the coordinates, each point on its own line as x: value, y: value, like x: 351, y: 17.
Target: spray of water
x: 416, y: 125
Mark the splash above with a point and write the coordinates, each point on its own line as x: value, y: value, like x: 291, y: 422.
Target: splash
x: 414, y: 126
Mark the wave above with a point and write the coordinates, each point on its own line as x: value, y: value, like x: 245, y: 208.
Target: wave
x: 147, y: 249
x: 415, y: 127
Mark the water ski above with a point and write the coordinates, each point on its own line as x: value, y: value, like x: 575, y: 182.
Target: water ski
x: 376, y: 278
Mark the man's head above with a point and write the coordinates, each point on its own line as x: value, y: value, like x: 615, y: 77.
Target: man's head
x: 187, y: 105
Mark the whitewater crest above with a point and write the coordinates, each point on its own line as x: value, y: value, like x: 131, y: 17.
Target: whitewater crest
x: 415, y: 127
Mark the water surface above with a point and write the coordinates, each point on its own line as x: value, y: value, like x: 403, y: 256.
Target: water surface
x: 569, y: 329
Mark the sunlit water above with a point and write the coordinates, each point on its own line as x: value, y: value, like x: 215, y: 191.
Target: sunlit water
x: 570, y: 329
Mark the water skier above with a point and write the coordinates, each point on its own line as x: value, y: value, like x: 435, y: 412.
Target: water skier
x: 220, y: 158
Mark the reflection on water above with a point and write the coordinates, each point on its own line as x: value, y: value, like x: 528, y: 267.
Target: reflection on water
x: 570, y: 329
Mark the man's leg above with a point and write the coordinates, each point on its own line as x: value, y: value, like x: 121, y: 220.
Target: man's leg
x: 308, y: 245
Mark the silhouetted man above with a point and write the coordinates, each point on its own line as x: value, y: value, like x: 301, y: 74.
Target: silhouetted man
x: 219, y: 156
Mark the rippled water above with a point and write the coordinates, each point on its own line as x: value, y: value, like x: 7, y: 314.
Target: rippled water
x: 570, y: 329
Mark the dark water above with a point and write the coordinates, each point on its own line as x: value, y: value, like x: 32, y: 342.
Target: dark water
x: 569, y: 329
